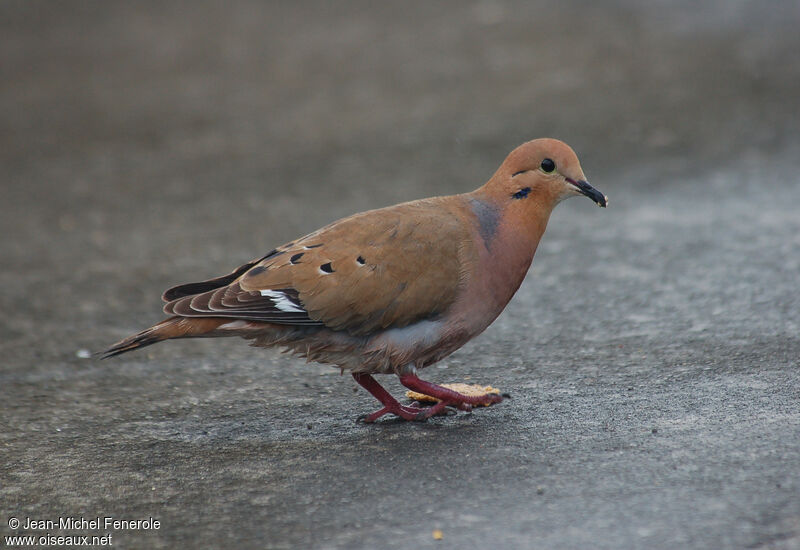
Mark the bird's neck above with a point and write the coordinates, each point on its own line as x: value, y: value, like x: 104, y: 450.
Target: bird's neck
x: 511, y: 226
x: 509, y: 232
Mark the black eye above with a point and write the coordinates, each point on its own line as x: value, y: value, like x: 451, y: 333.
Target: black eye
x: 548, y: 165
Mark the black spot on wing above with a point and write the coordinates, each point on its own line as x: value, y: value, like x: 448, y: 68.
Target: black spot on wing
x: 361, y: 260
x: 327, y: 268
x: 294, y: 259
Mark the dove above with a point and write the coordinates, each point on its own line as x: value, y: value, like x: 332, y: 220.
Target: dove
x: 391, y: 290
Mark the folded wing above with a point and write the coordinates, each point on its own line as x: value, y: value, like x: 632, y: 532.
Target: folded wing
x: 375, y: 270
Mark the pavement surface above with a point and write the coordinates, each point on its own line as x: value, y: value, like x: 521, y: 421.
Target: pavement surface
x: 651, y: 354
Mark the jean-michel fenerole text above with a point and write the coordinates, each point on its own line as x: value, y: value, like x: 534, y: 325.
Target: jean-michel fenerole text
x: 90, y: 524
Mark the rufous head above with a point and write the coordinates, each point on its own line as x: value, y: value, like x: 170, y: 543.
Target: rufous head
x: 546, y: 169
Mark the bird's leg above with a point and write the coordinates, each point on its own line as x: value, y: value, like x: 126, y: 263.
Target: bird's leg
x: 390, y: 404
x: 409, y: 379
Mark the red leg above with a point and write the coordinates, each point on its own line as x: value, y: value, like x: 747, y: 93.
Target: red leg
x: 445, y: 395
x: 390, y: 404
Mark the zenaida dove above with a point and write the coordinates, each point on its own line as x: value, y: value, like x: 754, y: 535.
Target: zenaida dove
x: 391, y: 290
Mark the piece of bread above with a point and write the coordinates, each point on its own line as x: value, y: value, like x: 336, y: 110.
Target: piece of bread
x: 460, y: 387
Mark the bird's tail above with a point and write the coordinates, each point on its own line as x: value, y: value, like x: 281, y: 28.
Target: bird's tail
x: 173, y: 327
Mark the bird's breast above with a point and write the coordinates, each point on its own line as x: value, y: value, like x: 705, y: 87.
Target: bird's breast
x: 496, y: 270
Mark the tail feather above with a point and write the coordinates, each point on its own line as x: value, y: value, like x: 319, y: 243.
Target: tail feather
x: 173, y: 327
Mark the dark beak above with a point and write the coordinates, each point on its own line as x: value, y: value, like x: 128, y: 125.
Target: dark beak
x: 585, y: 189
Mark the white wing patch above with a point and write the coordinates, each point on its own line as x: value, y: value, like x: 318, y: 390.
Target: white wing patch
x: 234, y: 325
x: 282, y: 301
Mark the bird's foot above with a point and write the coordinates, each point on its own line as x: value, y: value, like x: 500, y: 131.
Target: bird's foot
x: 448, y: 399
x: 412, y: 412
x: 390, y: 404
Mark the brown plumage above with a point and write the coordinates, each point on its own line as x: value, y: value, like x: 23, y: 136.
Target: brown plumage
x: 389, y: 290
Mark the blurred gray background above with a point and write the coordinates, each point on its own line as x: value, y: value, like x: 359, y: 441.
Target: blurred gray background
x: 651, y: 354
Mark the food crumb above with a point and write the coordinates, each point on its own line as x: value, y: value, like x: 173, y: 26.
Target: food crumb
x: 437, y: 534
x: 466, y: 389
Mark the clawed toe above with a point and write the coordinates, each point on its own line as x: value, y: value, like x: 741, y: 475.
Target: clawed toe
x: 413, y: 413
x: 417, y: 414
x: 494, y: 398
x: 486, y: 400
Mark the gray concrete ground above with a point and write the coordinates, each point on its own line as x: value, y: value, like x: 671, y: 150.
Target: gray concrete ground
x: 651, y: 353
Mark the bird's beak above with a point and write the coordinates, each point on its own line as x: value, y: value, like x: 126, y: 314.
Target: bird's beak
x: 584, y: 188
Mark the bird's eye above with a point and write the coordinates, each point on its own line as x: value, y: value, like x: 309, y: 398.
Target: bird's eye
x: 548, y: 165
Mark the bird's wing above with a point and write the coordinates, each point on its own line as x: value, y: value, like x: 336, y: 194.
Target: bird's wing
x: 379, y: 269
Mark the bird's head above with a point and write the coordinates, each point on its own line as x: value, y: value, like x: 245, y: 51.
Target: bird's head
x: 545, y: 170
